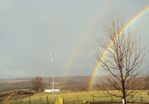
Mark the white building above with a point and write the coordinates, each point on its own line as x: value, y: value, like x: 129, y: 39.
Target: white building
x: 51, y: 90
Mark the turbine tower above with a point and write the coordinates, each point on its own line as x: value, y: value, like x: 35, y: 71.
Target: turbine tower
x: 53, y: 80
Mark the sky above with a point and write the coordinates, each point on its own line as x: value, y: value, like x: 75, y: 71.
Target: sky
x: 32, y: 30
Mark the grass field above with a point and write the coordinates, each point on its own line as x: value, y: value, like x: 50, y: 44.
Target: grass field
x: 76, y: 97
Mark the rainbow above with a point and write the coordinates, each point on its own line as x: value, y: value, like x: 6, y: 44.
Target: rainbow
x: 85, y: 37
x: 110, y: 44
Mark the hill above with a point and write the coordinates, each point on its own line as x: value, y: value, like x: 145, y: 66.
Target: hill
x: 72, y: 83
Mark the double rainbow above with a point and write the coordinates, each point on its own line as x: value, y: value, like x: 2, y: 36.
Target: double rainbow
x: 85, y: 37
x: 110, y: 44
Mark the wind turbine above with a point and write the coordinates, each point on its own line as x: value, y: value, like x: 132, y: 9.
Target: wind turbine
x: 52, y: 56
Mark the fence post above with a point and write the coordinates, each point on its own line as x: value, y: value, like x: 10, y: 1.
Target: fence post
x: 111, y: 99
x: 132, y: 99
x: 47, y: 100
x: 141, y: 100
x: 63, y: 101
x: 40, y: 99
x: 29, y: 100
x: 63, y: 98
x: 93, y: 97
x: 78, y: 98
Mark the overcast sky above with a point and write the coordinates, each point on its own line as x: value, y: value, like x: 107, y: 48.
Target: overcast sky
x: 30, y: 30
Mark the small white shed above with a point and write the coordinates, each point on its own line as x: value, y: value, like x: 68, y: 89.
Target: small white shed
x: 51, y: 90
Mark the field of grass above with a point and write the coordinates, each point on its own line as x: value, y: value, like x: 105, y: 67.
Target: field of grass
x: 76, y: 97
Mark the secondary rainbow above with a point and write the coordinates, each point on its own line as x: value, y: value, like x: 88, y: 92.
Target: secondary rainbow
x: 85, y: 37
x: 103, y: 55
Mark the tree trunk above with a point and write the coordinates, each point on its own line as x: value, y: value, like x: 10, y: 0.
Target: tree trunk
x: 124, y: 91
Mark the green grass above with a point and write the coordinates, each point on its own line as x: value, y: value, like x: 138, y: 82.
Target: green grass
x: 77, y: 97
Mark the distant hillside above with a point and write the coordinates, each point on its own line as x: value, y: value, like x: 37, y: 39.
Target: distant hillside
x: 71, y: 83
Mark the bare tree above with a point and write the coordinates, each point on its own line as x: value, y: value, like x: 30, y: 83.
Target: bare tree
x: 37, y: 83
x: 123, y: 59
